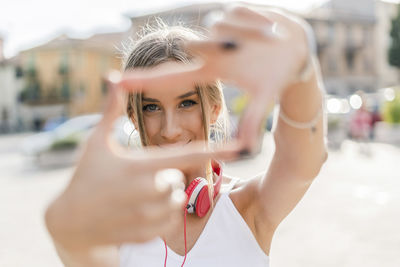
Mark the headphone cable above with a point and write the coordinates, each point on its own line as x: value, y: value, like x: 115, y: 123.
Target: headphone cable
x: 184, y: 234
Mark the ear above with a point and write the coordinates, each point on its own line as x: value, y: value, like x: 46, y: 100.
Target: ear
x: 215, y: 110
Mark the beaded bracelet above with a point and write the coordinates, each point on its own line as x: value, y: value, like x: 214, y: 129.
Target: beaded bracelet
x: 301, y: 125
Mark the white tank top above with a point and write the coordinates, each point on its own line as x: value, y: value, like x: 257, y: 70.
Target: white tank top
x: 226, y: 240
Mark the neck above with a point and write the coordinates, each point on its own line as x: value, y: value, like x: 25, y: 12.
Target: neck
x: 192, y: 174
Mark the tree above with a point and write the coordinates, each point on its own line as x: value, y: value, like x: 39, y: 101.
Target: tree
x: 394, y: 50
x: 391, y: 110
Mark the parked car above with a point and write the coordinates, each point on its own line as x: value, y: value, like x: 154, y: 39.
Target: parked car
x: 53, y: 123
x: 60, y: 146
x: 61, y: 143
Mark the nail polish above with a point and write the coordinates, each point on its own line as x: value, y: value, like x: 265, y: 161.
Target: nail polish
x: 229, y: 45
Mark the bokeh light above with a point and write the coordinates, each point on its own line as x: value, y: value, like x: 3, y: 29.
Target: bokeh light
x: 333, y: 105
x: 355, y: 101
x: 389, y: 94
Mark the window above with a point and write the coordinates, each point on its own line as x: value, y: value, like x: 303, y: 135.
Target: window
x: 19, y: 72
x: 104, y: 87
x: 332, y: 66
x: 350, y: 56
x: 366, y: 35
x: 63, y: 68
x: 367, y: 64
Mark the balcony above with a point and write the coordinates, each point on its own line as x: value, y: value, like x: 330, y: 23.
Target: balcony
x: 32, y: 95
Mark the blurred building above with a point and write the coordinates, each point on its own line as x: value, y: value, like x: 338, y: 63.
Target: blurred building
x: 10, y: 86
x: 64, y: 77
x: 388, y: 75
x: 353, y: 40
x: 197, y: 16
x: 1, y: 49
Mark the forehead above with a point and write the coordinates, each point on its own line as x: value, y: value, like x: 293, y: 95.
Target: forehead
x: 173, y: 88
x: 166, y: 92
x: 171, y: 93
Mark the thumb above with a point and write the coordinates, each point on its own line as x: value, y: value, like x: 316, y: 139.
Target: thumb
x: 252, y: 123
x: 113, y: 108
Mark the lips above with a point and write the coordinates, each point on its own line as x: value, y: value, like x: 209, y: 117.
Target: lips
x: 174, y: 145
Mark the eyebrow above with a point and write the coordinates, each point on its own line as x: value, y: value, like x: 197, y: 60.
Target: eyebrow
x: 190, y: 93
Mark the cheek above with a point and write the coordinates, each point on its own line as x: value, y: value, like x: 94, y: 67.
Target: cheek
x: 152, y: 125
x: 193, y: 122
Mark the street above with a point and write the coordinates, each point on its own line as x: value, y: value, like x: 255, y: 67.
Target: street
x: 349, y: 217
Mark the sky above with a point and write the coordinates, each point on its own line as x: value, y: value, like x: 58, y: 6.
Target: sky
x: 27, y: 23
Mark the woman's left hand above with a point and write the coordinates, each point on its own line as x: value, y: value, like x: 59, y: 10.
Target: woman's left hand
x: 261, y: 53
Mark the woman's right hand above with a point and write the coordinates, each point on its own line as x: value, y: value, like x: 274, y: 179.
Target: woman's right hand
x: 116, y: 197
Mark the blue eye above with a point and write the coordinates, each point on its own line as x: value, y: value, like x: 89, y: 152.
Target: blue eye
x: 187, y: 103
x: 150, y: 108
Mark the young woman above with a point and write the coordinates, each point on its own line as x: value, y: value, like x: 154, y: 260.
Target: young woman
x: 267, y: 54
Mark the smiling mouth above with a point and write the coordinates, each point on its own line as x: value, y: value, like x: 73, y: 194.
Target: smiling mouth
x: 174, y: 145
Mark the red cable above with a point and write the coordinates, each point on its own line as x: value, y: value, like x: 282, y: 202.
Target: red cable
x: 184, y: 230
x: 166, y: 253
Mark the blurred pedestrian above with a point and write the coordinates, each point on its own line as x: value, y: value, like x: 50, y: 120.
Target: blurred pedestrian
x: 375, y: 117
x: 360, y: 129
x: 360, y: 124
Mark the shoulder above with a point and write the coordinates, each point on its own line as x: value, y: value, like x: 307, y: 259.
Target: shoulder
x: 244, y: 194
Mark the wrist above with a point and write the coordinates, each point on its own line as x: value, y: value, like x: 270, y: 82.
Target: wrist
x: 308, y: 58
x: 301, y: 104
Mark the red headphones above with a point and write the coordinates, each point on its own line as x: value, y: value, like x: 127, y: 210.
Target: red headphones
x: 197, y: 192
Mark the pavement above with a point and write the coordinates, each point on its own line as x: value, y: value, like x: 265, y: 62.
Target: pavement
x: 349, y: 217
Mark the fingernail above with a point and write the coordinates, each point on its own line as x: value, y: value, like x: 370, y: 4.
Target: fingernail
x: 229, y: 45
x: 244, y: 152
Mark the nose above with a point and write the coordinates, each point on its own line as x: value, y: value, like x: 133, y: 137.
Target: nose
x: 171, y: 128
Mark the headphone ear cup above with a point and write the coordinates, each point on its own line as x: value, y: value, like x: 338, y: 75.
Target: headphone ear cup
x: 192, y: 192
x: 191, y: 186
x: 203, y: 202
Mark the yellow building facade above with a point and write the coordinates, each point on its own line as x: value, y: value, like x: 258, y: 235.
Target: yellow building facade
x: 65, y: 75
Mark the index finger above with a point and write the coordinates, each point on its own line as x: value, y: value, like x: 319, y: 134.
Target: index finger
x: 154, y: 159
x: 251, y: 126
x: 166, y: 75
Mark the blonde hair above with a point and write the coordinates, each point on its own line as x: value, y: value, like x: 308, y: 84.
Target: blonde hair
x: 163, y: 44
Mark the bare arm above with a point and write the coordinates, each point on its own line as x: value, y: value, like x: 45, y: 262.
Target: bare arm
x: 299, y: 153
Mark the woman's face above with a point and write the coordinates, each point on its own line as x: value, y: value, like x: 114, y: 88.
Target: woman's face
x: 172, y: 117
